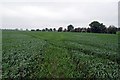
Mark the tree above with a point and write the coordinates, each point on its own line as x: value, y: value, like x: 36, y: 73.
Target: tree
x: 103, y: 29
x: 27, y: 30
x: 54, y: 29
x: 78, y: 29
x: 112, y: 29
x: 43, y: 29
x: 46, y: 29
x: 50, y: 29
x: 88, y: 30
x: 70, y: 28
x: 84, y: 30
x: 32, y: 30
x: 97, y: 27
x: 65, y: 30
x: 16, y: 29
x: 60, y: 29
x: 37, y: 30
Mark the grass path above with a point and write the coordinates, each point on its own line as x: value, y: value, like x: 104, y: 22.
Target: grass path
x: 57, y: 63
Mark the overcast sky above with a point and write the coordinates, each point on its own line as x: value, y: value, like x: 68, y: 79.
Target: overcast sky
x: 57, y: 13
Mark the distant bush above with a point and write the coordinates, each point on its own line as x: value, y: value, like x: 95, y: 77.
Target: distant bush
x: 32, y: 30
x: 37, y: 30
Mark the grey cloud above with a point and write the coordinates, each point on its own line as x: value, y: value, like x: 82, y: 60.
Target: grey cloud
x: 55, y: 14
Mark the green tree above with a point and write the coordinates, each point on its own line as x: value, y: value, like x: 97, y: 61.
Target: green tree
x: 65, y: 30
x: 51, y: 29
x: 88, y: 30
x: 32, y: 30
x: 43, y: 29
x: 97, y: 27
x: 112, y: 29
x: 27, y: 30
x: 70, y: 28
x: 46, y: 29
x: 37, y: 30
x: 60, y: 29
x: 103, y: 29
x: 54, y: 29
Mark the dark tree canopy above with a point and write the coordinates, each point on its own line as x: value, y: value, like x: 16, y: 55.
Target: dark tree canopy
x: 32, y: 30
x: 37, y: 30
x: 54, y: 29
x: 112, y: 29
x: 43, y: 29
x: 27, y: 30
x: 46, y: 29
x: 102, y: 28
x: 88, y: 30
x: 60, y: 29
x: 65, y: 30
x: 50, y: 29
x: 97, y: 27
x: 70, y: 28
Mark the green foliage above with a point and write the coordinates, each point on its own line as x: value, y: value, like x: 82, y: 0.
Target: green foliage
x: 112, y: 29
x: 60, y: 29
x: 97, y: 27
x: 60, y: 55
x: 70, y: 28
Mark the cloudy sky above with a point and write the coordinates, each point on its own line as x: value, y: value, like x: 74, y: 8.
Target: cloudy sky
x: 34, y: 14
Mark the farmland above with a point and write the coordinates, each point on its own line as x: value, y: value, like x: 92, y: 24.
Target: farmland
x: 27, y: 54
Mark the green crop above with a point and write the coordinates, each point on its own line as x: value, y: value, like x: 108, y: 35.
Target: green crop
x: 59, y: 55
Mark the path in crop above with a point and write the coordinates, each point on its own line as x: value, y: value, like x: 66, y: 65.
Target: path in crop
x: 57, y: 60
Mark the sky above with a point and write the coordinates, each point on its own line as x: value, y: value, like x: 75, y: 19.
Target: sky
x: 39, y: 14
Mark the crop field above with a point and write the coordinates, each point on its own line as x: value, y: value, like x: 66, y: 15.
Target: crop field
x: 31, y: 54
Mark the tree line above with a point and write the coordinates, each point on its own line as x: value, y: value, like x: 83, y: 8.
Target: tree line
x: 95, y: 27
